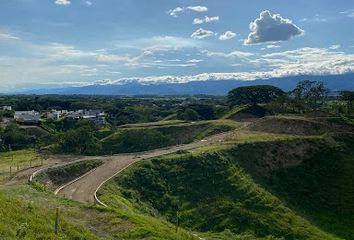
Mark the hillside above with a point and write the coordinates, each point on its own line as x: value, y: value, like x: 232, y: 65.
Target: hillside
x: 29, y: 214
x: 283, y: 188
x: 137, y: 139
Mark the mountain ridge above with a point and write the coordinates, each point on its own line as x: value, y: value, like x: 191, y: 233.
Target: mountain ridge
x: 210, y: 87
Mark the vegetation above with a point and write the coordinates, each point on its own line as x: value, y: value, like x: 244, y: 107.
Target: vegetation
x: 143, y: 139
x: 308, y: 96
x: 13, y: 137
x: 253, y: 95
x: 287, y: 173
x: 214, y: 192
x: 57, y: 176
x: 79, y: 141
x: 29, y: 214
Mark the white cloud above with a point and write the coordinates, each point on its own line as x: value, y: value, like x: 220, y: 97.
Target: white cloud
x: 206, y: 19
x: 302, y: 61
x: 349, y: 13
x: 317, y: 19
x: 198, y: 8
x: 272, y: 46
x: 166, y: 43
x: 227, y: 35
x: 62, y: 2
x: 176, y: 11
x: 202, y: 33
x: 272, y: 28
x: 194, y: 61
x: 88, y: 3
x: 7, y: 36
x: 334, y: 47
x: 313, y: 61
x: 234, y: 54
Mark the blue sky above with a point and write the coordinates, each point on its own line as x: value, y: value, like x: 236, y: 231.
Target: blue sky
x: 55, y: 43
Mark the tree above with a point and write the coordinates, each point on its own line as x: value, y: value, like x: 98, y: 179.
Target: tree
x: 309, y: 95
x: 253, y: 95
x: 79, y: 141
x: 15, y: 136
x: 189, y: 115
x: 348, y: 98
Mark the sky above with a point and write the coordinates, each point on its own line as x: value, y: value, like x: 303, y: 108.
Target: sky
x: 59, y: 43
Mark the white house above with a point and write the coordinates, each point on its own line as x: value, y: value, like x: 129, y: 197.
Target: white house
x: 6, y: 108
x: 54, y: 115
x: 27, y: 116
x: 73, y: 115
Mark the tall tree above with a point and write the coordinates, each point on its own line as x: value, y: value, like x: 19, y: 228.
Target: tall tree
x: 348, y: 97
x: 309, y: 95
x: 253, y: 95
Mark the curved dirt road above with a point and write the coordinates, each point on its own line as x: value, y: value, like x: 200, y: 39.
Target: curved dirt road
x: 84, y: 189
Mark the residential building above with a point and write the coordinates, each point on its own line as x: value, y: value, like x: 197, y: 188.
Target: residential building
x: 54, y: 115
x: 27, y: 116
x: 6, y: 108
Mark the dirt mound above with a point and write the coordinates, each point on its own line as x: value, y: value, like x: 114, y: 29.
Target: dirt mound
x: 295, y: 126
x: 302, y: 126
x: 250, y: 113
x: 265, y: 158
x: 57, y: 176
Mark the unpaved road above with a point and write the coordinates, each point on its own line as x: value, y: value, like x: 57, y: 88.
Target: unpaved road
x: 84, y: 189
x: 23, y: 176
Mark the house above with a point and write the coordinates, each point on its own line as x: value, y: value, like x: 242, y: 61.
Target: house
x: 27, y: 116
x: 54, y: 115
x: 73, y: 115
x: 96, y: 116
x: 6, y: 108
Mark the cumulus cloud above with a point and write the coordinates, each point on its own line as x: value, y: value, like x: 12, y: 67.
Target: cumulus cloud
x: 227, y: 35
x: 62, y: 2
x: 202, y: 33
x: 272, y: 28
x: 206, y: 19
x: 176, y: 11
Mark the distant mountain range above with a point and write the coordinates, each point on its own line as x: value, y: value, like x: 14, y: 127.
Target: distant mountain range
x: 211, y: 87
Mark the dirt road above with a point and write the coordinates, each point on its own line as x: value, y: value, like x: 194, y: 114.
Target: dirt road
x: 84, y: 189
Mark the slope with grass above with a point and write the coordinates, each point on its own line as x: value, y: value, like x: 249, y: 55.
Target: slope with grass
x: 54, y: 177
x: 140, y: 139
x: 28, y: 214
x: 301, y: 125
x: 266, y: 188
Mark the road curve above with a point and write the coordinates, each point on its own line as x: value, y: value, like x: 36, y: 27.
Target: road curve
x: 85, y: 188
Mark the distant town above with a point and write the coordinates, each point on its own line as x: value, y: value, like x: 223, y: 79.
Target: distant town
x: 97, y: 117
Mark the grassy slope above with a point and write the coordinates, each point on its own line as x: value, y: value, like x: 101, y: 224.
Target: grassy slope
x: 22, y: 207
x: 21, y: 157
x: 142, y: 139
x: 214, y: 192
x: 17, y: 160
x: 57, y: 176
x: 322, y: 188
